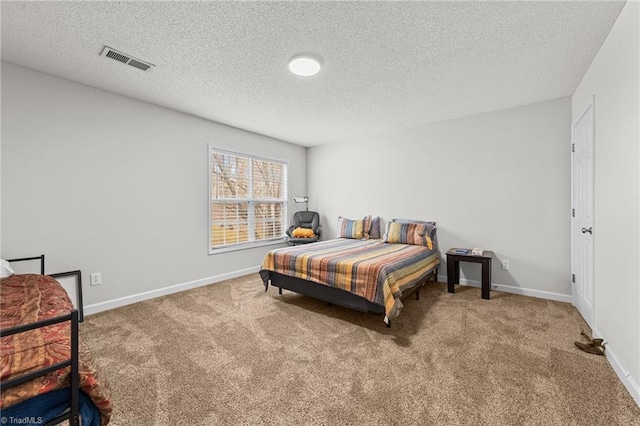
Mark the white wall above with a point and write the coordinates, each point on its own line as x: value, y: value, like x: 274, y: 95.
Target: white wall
x: 500, y: 181
x: 104, y: 183
x: 613, y: 79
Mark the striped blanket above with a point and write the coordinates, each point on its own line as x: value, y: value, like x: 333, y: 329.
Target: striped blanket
x: 377, y: 271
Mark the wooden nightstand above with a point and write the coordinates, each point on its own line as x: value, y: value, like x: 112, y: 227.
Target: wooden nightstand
x: 453, y: 269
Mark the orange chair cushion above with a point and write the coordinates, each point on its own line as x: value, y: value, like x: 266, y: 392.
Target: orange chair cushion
x: 303, y: 233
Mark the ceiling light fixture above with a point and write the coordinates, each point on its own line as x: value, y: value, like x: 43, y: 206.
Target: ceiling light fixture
x: 304, y: 65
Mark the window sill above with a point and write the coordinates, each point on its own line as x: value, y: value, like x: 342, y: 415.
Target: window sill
x: 245, y: 246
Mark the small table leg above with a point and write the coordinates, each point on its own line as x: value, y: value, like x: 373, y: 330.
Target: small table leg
x: 486, y: 278
x: 453, y: 274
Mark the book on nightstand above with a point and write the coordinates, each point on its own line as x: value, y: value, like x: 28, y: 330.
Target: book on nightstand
x: 460, y: 251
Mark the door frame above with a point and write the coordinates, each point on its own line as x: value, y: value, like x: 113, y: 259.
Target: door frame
x: 591, y: 315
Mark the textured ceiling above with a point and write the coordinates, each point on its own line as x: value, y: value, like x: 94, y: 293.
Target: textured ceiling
x: 386, y: 65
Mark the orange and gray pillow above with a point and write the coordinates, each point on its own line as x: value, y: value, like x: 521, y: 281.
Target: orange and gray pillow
x: 413, y: 233
x: 353, y: 228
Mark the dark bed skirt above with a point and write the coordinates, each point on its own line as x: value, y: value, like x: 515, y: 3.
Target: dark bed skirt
x: 331, y: 294
x: 323, y: 292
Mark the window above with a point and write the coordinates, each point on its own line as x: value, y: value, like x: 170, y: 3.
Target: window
x: 248, y: 200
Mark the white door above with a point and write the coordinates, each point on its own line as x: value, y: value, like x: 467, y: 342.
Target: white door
x: 582, y: 232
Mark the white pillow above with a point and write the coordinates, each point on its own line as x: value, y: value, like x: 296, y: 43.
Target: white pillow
x: 5, y: 269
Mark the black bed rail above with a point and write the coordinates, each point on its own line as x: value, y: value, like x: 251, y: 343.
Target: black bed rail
x: 77, y: 274
x: 22, y: 259
x: 73, y: 414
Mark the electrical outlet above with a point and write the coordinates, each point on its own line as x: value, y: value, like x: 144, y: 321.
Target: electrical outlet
x: 505, y: 265
x: 96, y: 279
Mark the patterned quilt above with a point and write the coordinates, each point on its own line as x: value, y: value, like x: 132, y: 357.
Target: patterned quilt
x: 27, y: 298
x: 377, y: 271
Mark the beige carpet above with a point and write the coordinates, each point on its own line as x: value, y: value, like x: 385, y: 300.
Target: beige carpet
x: 229, y: 353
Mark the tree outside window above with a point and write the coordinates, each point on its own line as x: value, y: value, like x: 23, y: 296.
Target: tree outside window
x: 248, y: 199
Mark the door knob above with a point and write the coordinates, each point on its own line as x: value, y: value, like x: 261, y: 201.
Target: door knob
x: 589, y: 230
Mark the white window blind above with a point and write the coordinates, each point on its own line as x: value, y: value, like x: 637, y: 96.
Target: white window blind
x: 248, y: 199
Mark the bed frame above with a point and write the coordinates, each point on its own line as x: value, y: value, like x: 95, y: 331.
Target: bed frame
x: 333, y: 295
x: 75, y: 317
x: 77, y: 274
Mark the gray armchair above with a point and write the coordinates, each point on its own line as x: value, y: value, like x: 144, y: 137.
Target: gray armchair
x: 305, y: 219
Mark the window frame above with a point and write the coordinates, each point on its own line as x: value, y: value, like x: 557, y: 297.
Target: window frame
x: 285, y: 203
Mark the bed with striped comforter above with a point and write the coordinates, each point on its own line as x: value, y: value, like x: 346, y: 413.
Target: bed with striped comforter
x: 376, y: 271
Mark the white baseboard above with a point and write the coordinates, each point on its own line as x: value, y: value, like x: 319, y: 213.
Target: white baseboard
x: 623, y: 374
x: 127, y: 300
x: 515, y: 290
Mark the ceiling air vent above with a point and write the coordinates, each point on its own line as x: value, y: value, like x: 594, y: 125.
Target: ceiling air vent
x: 125, y: 59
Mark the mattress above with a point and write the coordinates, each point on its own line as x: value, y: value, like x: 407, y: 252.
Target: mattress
x: 376, y: 271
